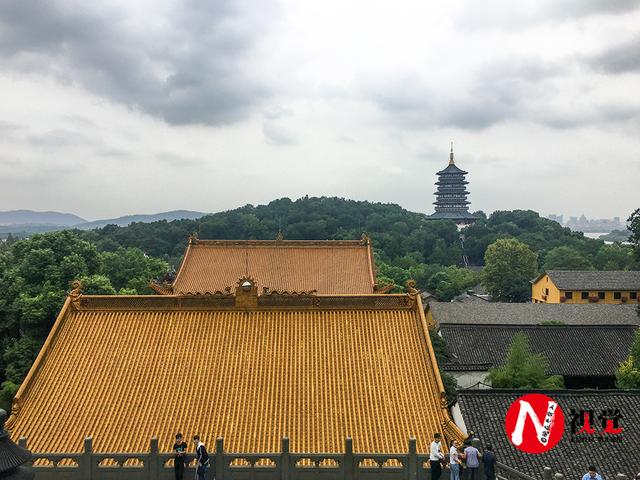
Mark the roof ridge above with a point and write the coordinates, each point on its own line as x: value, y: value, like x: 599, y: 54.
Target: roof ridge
x: 281, y: 243
x: 229, y: 301
x: 585, y: 391
x: 538, y: 325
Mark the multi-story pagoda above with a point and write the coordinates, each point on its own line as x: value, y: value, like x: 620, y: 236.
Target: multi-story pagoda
x: 451, y: 197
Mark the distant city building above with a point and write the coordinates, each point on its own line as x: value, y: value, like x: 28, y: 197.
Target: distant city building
x: 451, y: 195
x: 556, y: 218
x: 583, y: 224
x: 583, y: 286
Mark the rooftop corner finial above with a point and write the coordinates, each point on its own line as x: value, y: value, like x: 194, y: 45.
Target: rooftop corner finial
x: 451, y: 162
x: 76, y: 288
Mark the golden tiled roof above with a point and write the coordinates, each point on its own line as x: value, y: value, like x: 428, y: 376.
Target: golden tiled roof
x: 326, y: 266
x: 123, y: 369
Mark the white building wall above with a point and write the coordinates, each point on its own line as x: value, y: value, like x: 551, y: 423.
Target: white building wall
x: 471, y: 379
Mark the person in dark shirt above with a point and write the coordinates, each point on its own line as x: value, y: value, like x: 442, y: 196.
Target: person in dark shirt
x: 180, y: 447
x: 489, y: 463
x: 202, y: 457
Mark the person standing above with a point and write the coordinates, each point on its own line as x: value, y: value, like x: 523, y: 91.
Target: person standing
x: 202, y: 458
x: 489, y: 463
x: 180, y: 447
x: 592, y: 474
x: 472, y: 457
x: 454, y: 461
x: 436, y: 457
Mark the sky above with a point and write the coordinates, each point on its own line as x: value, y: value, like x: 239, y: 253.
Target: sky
x: 118, y: 107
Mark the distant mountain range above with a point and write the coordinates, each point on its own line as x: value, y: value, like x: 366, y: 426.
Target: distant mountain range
x: 23, y: 222
x: 129, y: 219
x: 29, y: 217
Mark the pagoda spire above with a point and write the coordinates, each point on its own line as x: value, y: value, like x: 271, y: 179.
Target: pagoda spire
x: 451, y: 195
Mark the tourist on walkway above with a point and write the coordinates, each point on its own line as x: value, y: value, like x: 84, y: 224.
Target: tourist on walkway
x: 180, y: 447
x: 592, y: 474
x: 454, y: 461
x: 489, y: 463
x: 202, y: 458
x: 436, y: 457
x: 472, y: 457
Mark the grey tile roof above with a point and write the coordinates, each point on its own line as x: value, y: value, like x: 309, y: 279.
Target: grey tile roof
x: 595, y: 280
x: 585, y: 350
x: 484, y: 412
x: 533, y: 313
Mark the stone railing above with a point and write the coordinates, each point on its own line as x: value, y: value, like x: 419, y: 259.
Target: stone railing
x: 284, y: 465
x: 549, y: 475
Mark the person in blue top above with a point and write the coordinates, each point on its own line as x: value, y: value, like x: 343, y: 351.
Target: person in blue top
x: 489, y: 463
x: 592, y: 474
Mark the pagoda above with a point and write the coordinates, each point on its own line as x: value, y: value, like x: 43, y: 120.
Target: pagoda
x: 451, y: 196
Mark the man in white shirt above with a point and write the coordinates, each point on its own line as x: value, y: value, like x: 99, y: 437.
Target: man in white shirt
x: 436, y: 457
x: 454, y: 461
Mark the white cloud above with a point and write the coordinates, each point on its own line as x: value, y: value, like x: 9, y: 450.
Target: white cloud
x: 124, y: 107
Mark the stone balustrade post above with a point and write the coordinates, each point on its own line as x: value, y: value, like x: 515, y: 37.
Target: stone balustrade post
x: 413, y: 459
x: 547, y: 473
x: 219, y: 458
x: 154, y: 460
x: 348, y: 459
x: 284, y: 459
x: 86, y: 460
x: 22, y: 442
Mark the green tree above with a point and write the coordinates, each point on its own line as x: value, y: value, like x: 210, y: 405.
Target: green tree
x: 451, y: 282
x: 131, y: 269
x: 509, y: 267
x: 449, y: 381
x: 615, y: 257
x: 628, y: 373
x: 97, y: 285
x: 634, y: 227
x: 523, y: 368
x: 35, y: 277
x: 566, y: 258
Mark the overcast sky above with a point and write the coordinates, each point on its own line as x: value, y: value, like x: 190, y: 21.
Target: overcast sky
x: 112, y: 108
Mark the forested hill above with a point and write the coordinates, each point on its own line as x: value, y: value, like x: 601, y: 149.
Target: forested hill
x: 35, y: 274
x: 400, y: 237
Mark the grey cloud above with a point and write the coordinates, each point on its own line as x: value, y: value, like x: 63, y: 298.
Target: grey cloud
x: 10, y: 131
x: 79, y: 121
x: 60, y: 138
x: 277, y: 112
x: 494, y: 93
x: 277, y: 134
x: 515, y: 15
x: 189, y: 71
x: 526, y: 90
x: 620, y: 58
x: 111, y: 152
x: 581, y: 8
x: 178, y: 160
x: 9, y: 161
